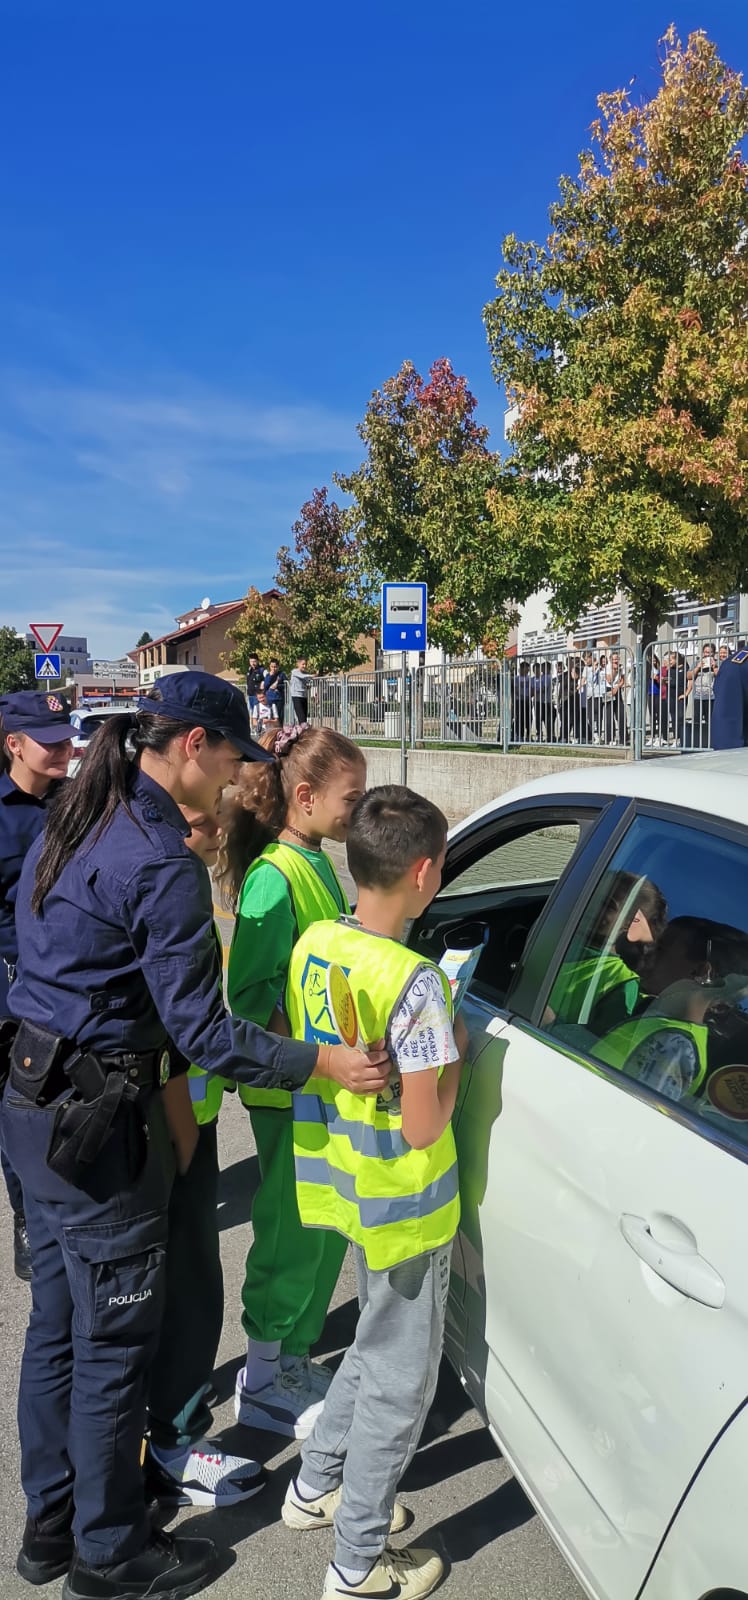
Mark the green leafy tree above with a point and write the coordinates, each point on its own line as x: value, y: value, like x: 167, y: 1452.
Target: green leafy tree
x: 16, y: 662
x: 419, y: 501
x: 326, y: 599
x: 145, y: 638
x: 261, y: 630
x: 327, y: 592
x: 623, y: 341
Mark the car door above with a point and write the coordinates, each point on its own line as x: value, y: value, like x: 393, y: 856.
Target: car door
x: 605, y: 1293
x: 503, y: 870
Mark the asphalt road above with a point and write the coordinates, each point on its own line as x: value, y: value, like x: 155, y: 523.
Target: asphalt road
x: 463, y: 1497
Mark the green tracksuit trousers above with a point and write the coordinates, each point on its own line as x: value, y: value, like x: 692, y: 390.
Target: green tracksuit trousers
x: 291, y: 1271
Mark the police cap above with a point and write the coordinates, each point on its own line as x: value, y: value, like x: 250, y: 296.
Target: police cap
x: 44, y: 717
x: 203, y: 701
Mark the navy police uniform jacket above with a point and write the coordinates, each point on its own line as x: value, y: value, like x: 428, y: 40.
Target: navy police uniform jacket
x: 21, y: 820
x: 123, y: 954
x: 730, y: 706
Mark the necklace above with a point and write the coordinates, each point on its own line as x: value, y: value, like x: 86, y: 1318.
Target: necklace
x: 310, y: 844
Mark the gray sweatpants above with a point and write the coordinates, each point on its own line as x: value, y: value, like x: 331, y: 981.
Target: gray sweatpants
x: 377, y: 1403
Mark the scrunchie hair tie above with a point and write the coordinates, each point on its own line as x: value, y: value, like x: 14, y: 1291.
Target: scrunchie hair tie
x: 288, y: 737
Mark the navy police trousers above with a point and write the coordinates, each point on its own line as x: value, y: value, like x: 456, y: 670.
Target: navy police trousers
x: 97, y: 1290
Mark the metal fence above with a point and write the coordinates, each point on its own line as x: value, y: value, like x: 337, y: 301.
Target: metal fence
x: 659, y: 697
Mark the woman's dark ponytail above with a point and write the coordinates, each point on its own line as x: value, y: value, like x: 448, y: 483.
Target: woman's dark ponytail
x: 85, y: 804
x: 87, y: 801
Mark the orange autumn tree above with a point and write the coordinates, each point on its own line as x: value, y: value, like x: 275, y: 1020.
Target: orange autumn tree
x: 623, y: 341
x: 419, y: 508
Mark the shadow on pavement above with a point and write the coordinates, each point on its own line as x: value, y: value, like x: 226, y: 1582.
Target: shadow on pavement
x: 462, y: 1535
x: 236, y: 1188
x: 232, y: 1525
x: 339, y: 1330
x: 450, y: 1403
x: 448, y: 1457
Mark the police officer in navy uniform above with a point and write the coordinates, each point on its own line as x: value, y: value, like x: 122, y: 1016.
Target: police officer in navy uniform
x: 730, y: 704
x: 35, y: 748
x: 117, y: 986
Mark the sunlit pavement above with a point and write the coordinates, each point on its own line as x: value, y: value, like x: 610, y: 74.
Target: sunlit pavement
x: 463, y: 1497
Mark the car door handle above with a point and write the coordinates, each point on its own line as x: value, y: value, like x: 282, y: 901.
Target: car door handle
x: 678, y: 1262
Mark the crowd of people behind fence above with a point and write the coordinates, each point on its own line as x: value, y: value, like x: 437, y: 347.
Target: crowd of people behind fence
x: 586, y: 698
x: 583, y: 698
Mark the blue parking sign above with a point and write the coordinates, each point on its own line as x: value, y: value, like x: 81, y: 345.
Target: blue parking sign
x: 404, y: 616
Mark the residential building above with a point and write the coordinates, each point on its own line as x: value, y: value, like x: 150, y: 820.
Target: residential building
x: 202, y: 638
x: 72, y: 650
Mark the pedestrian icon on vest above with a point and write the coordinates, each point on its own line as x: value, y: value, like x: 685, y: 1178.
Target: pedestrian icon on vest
x: 317, y: 1005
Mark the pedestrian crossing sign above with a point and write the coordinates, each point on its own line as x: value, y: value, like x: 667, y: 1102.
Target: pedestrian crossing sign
x: 47, y: 665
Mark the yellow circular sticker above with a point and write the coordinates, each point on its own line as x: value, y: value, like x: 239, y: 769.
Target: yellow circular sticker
x: 342, y: 1006
x: 728, y: 1091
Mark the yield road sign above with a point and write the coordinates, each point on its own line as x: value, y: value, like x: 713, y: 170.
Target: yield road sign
x: 47, y: 666
x: 46, y: 634
x: 403, y: 616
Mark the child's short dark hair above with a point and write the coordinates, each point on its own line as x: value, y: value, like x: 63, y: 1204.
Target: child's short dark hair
x: 390, y: 828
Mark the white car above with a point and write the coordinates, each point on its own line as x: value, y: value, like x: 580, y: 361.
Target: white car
x: 598, y: 1309
x: 86, y: 720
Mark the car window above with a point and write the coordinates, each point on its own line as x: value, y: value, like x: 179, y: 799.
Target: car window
x: 654, y: 981
x: 537, y: 856
x: 89, y: 724
x: 501, y: 879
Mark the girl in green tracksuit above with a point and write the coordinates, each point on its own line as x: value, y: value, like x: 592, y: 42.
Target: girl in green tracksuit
x: 278, y: 824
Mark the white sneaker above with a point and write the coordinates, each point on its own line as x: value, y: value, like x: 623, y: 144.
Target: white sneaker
x: 205, y: 1476
x: 287, y: 1405
x: 319, y: 1513
x: 408, y: 1573
x: 314, y: 1374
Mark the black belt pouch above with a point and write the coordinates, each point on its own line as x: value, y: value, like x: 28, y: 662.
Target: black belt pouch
x: 35, y: 1071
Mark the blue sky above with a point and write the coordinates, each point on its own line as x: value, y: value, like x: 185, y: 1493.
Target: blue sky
x: 223, y: 225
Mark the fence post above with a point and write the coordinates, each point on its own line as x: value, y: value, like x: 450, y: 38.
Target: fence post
x: 638, y: 701
x: 403, y: 717
x: 505, y: 706
x: 443, y: 701
x: 344, y: 704
x: 420, y: 707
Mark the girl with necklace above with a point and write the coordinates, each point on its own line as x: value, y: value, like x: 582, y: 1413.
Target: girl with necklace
x: 280, y: 879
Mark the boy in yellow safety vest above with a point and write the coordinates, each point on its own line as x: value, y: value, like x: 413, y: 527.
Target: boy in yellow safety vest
x: 383, y: 1173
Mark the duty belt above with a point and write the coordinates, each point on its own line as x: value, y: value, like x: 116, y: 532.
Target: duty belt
x: 149, y: 1070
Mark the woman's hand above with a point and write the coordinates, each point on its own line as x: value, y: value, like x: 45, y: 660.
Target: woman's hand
x: 180, y: 1119
x: 359, y: 1071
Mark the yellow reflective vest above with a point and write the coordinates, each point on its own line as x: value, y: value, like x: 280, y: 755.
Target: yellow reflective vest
x: 206, y: 1090
x: 355, y: 1171
x: 310, y: 900
x: 663, y: 1052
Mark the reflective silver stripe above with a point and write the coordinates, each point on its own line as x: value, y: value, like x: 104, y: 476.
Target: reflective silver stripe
x: 383, y: 1143
x: 376, y: 1211
x: 198, y: 1086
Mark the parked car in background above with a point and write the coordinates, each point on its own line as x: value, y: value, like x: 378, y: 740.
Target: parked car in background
x: 86, y: 720
x: 598, y: 1308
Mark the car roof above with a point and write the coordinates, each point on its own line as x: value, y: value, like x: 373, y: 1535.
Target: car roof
x: 717, y: 783
x: 101, y: 711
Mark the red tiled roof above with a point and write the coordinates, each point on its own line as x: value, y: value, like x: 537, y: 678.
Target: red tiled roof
x: 197, y: 627
x: 188, y: 632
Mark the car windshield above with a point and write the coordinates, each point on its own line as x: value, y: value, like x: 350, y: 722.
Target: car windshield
x: 88, y: 725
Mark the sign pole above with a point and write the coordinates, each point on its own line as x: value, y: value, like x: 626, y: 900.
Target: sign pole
x: 403, y: 717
